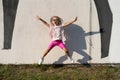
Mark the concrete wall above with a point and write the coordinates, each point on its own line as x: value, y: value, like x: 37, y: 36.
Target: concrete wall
x: 115, y: 39
x: 30, y: 37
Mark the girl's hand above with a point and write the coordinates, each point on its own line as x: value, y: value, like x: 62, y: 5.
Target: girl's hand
x: 43, y: 21
x: 38, y: 17
x: 75, y: 19
x: 69, y: 23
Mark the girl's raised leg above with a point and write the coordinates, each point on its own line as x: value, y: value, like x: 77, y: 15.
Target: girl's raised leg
x: 68, y: 55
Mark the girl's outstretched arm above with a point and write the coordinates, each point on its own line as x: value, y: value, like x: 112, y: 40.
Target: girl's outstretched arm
x: 43, y: 21
x: 69, y: 23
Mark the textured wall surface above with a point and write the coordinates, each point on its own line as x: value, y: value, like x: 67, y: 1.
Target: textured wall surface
x: 23, y: 39
x: 114, y: 52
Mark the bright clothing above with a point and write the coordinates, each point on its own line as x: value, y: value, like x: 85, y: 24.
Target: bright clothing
x: 56, y: 32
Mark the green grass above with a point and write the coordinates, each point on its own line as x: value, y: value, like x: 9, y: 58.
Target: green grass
x: 53, y: 72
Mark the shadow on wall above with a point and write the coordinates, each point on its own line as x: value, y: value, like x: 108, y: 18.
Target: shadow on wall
x: 105, y: 21
x: 75, y: 42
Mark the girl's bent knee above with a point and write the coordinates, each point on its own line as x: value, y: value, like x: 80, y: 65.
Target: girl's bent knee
x: 66, y: 51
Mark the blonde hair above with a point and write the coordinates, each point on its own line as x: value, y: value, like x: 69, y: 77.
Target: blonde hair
x: 58, y: 20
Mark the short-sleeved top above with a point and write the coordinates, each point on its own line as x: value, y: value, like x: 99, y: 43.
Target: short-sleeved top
x: 56, y: 32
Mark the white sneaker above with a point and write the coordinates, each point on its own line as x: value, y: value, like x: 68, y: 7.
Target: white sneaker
x: 72, y: 61
x: 40, y: 61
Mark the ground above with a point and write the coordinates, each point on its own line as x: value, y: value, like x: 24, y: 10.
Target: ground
x: 59, y: 72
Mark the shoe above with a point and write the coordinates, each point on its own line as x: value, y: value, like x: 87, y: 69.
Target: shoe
x: 40, y: 61
x: 72, y: 61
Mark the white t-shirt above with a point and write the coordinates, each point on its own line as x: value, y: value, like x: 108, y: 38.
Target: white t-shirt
x: 56, y: 32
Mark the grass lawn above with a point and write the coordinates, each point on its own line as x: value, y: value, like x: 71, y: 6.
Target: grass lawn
x: 59, y: 72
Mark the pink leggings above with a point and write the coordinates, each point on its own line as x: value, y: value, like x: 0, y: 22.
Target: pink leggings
x: 56, y: 43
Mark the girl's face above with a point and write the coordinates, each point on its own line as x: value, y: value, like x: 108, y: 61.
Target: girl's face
x: 56, y: 21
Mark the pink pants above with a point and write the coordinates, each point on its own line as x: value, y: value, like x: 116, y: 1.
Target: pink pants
x: 56, y: 43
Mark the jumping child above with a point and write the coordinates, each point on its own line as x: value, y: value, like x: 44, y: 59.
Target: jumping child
x: 56, y: 27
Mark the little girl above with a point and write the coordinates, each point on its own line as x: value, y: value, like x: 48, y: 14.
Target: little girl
x: 56, y: 28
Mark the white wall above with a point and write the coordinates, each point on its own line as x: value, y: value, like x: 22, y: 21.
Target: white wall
x: 115, y: 39
x: 30, y: 37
